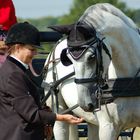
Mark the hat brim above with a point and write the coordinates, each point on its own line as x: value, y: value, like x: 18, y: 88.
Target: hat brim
x: 40, y: 47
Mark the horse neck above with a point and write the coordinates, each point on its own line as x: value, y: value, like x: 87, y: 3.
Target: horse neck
x: 121, y: 36
x: 125, y: 48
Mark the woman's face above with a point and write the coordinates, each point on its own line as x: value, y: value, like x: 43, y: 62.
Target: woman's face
x: 26, y: 53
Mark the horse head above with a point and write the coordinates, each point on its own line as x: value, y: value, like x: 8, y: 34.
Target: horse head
x: 85, y: 50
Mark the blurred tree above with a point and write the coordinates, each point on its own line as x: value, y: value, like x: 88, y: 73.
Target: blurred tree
x: 77, y: 9
x: 79, y: 6
x: 137, y: 17
x: 41, y: 23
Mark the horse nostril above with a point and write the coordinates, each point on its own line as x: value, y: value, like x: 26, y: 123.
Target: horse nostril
x: 90, y: 107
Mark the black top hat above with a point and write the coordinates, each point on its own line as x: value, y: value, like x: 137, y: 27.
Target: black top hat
x: 23, y: 33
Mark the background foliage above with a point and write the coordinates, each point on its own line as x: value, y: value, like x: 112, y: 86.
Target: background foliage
x: 77, y: 9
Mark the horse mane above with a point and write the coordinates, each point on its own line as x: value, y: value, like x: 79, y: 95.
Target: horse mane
x: 96, y: 11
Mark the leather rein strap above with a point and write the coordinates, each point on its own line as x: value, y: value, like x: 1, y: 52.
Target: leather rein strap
x: 53, y: 87
x: 99, y: 64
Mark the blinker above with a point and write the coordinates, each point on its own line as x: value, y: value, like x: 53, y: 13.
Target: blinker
x: 80, y: 37
x: 75, y: 52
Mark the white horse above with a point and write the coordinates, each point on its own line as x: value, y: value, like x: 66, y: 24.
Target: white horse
x: 104, y: 33
x: 67, y: 97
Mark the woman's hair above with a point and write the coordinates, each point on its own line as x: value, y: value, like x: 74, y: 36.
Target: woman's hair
x: 12, y: 48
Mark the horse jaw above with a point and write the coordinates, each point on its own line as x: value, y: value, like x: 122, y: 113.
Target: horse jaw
x: 85, y: 103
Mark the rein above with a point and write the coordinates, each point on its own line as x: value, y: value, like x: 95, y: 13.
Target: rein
x: 99, y: 64
x: 53, y: 86
x: 98, y: 78
x: 108, y: 90
x: 53, y: 89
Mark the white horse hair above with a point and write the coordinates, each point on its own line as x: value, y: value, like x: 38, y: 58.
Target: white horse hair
x: 67, y: 97
x: 122, y: 42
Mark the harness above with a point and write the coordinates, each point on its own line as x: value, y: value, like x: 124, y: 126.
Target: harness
x: 107, y: 90
x: 53, y: 87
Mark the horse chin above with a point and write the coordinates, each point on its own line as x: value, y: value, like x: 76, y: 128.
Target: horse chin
x: 87, y: 108
x: 85, y: 99
x: 88, y: 101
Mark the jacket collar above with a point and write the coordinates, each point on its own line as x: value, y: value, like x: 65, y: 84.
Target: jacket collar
x: 13, y: 60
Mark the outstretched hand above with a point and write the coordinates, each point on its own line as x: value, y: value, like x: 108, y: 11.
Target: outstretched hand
x: 69, y: 118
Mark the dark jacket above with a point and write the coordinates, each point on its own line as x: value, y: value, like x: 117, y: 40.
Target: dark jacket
x: 21, y: 116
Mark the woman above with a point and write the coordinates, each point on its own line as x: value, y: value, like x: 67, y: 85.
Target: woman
x: 21, y: 116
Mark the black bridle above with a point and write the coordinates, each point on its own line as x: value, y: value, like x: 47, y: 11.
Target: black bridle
x: 97, y: 50
x: 98, y: 79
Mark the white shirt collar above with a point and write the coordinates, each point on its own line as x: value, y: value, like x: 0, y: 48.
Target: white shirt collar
x: 25, y: 65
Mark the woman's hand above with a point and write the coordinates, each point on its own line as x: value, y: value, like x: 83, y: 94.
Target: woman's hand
x: 69, y: 118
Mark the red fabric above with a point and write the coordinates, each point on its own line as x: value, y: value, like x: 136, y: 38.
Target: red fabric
x: 7, y: 14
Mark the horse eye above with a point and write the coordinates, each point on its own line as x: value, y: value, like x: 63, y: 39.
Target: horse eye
x: 91, y: 57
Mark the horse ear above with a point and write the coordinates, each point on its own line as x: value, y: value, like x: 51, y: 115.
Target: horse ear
x: 86, y: 30
x: 63, y: 29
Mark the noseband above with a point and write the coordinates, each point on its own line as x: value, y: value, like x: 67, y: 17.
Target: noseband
x: 98, y: 78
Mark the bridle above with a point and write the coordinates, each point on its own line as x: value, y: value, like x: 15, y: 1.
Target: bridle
x: 97, y: 50
x: 98, y: 79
